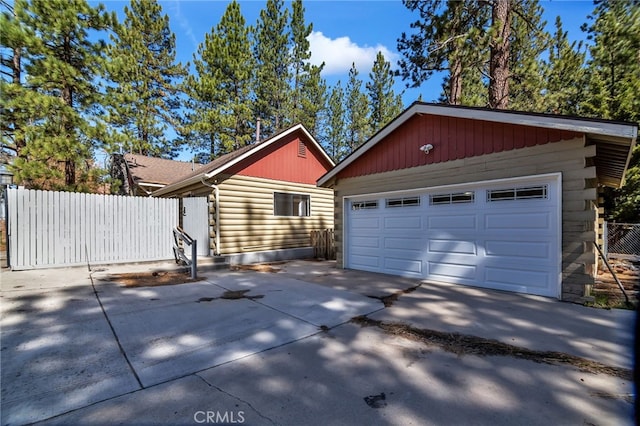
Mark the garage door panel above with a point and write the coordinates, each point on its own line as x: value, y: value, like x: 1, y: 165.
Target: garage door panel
x: 451, y: 222
x: 403, y: 222
x: 404, y: 243
x: 403, y: 265
x: 520, y: 221
x: 365, y: 261
x: 448, y: 271
x: 365, y: 242
x: 536, y: 281
x: 518, y: 249
x: 452, y: 246
x: 366, y: 223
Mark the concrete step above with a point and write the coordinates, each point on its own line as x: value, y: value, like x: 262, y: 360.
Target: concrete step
x: 213, y: 263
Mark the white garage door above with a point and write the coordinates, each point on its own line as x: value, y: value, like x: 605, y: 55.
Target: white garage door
x: 502, y: 234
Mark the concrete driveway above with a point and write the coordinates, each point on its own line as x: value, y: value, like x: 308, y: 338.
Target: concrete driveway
x: 77, y: 349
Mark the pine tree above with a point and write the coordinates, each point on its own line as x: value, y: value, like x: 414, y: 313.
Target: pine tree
x: 613, y: 76
x: 271, y: 50
x: 314, y: 97
x: 384, y: 103
x: 500, y: 40
x: 13, y: 115
x: 335, y: 132
x: 449, y: 37
x: 564, y: 74
x: 300, y: 55
x: 221, y: 112
x: 357, y: 122
x: 62, y: 64
x: 528, y: 42
x: 144, y: 98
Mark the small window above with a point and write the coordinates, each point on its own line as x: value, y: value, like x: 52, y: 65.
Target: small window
x: 285, y: 204
x: 302, y: 149
x: 403, y: 202
x: 452, y: 198
x: 364, y: 205
x: 521, y: 193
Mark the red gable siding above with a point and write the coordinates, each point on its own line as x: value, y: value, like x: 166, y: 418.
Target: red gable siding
x: 452, y: 138
x: 280, y: 161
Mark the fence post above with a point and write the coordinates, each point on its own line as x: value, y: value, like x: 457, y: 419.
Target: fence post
x: 194, y: 259
x: 605, y: 238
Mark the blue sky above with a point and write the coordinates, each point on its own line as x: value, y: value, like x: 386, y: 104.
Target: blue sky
x: 343, y: 31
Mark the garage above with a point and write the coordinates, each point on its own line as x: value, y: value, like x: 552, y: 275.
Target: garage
x: 501, y: 235
x: 505, y: 200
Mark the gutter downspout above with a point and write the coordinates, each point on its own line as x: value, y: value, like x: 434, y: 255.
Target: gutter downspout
x: 217, y: 226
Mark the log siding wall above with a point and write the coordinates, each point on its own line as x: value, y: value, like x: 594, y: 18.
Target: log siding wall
x: 247, y: 222
x: 579, y: 196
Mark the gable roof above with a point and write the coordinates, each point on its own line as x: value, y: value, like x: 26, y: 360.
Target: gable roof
x: 614, y: 139
x: 157, y: 170
x: 223, y: 163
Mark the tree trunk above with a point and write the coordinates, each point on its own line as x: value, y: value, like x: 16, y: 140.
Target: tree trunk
x: 499, y: 62
x: 455, y: 83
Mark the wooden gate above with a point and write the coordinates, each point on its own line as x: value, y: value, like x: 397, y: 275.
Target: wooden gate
x: 195, y: 222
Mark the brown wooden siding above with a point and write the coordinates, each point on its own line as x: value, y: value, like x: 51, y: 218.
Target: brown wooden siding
x: 247, y: 222
x: 579, y: 214
x: 282, y: 161
x: 452, y: 139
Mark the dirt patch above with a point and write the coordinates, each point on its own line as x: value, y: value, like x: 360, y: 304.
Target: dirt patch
x: 151, y: 279
x: 259, y: 267
x: 390, y: 299
x: 231, y: 295
x: 606, y: 292
x: 463, y: 344
x: 376, y: 401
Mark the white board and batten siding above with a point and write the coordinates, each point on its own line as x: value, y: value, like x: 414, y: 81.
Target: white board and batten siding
x: 478, y: 234
x: 50, y: 229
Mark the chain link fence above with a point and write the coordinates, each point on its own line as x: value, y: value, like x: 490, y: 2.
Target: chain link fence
x: 623, y: 238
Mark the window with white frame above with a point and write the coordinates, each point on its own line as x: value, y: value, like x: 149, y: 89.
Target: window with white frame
x: 287, y: 204
x: 452, y: 198
x: 364, y: 205
x: 403, y: 202
x: 520, y: 193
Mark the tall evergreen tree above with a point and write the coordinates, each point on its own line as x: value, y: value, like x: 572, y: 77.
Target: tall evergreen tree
x: 500, y: 44
x: 613, y: 76
x: 529, y: 40
x: 62, y: 64
x: 300, y: 55
x: 335, y: 131
x: 13, y: 114
x: 221, y: 112
x: 563, y: 74
x: 383, y: 101
x: 144, y: 99
x: 615, y: 34
x: 357, y: 122
x: 314, y: 97
x: 271, y: 50
x: 449, y: 36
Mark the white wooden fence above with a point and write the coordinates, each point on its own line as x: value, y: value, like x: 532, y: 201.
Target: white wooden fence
x: 68, y: 229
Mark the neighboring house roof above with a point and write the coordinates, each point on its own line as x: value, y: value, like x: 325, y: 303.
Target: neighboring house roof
x: 154, y: 170
x: 614, y: 140
x: 225, y: 162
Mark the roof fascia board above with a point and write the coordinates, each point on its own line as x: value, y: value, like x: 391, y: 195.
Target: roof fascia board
x: 627, y: 131
x: 215, y: 172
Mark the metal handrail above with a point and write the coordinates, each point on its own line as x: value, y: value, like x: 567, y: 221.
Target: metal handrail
x: 180, y: 234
